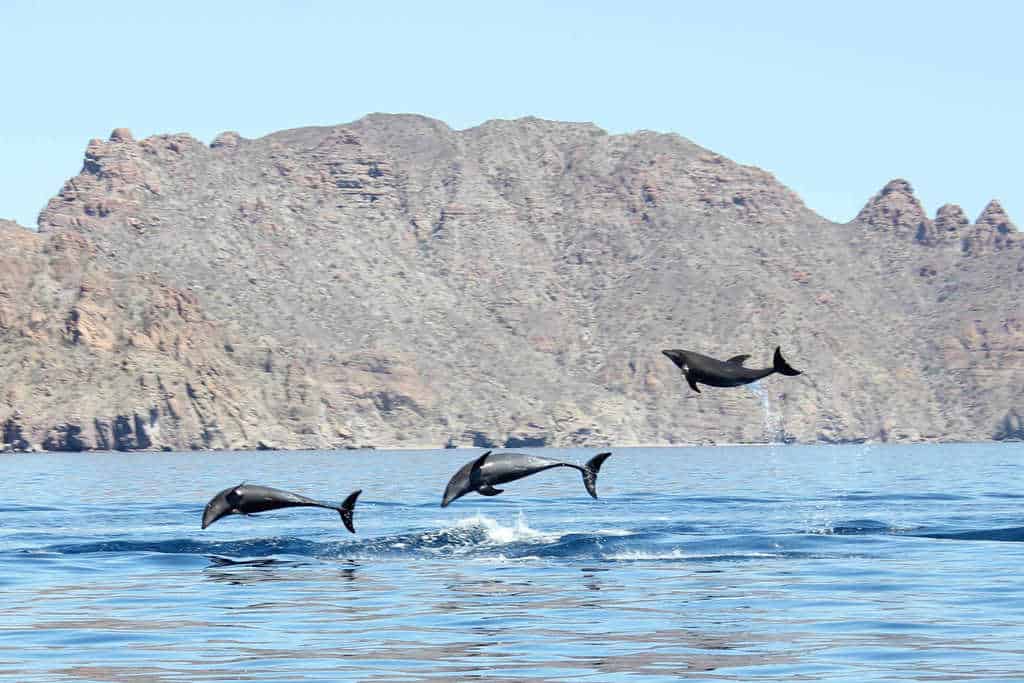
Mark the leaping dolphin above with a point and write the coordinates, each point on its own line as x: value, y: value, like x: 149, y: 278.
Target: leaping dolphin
x: 246, y: 499
x: 482, y: 474
x: 730, y: 373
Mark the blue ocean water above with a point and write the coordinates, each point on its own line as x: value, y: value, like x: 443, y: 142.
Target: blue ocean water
x: 838, y: 563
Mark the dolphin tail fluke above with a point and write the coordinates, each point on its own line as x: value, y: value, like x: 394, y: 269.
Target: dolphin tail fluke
x: 590, y: 471
x: 781, y: 366
x: 346, y: 509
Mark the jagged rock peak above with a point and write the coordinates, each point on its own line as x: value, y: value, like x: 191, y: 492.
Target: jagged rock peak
x: 895, y: 207
x: 121, y: 135
x: 897, y: 185
x: 994, y: 231
x: 994, y: 215
x: 950, y: 219
x: 228, y: 138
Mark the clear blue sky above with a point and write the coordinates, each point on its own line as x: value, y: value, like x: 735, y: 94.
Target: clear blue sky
x: 834, y: 100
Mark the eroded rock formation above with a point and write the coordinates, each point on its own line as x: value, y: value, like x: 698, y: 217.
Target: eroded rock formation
x: 395, y: 283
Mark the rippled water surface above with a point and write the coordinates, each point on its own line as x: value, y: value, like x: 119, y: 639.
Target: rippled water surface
x: 740, y: 564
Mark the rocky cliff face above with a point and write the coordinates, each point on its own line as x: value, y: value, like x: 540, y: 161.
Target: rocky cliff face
x: 393, y: 282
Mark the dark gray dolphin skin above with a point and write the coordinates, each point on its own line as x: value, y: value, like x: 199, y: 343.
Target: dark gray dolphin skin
x: 482, y: 474
x: 702, y: 369
x: 247, y: 499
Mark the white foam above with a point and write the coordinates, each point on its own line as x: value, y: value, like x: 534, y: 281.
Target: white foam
x: 499, y: 534
x: 678, y: 554
x: 502, y: 559
x: 614, y: 532
x: 628, y: 555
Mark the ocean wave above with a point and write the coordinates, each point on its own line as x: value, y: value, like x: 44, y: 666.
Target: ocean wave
x: 1008, y: 534
x: 864, y: 527
x: 854, y: 527
x: 485, y: 538
x: 679, y: 554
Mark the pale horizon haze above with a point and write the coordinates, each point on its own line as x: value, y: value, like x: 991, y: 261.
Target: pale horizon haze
x: 833, y: 100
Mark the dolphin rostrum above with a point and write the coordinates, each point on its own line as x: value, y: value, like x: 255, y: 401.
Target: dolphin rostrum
x: 482, y: 474
x: 246, y: 499
x: 729, y: 373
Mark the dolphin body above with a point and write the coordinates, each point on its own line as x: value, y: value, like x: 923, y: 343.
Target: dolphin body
x: 482, y: 474
x: 729, y: 373
x: 246, y: 499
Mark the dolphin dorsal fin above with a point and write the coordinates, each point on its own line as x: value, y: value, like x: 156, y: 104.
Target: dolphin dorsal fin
x: 478, y: 463
x: 739, y: 360
x: 474, y: 470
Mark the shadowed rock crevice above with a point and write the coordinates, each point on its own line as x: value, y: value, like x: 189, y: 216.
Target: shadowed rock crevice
x: 13, y: 436
x: 481, y: 440
x: 525, y: 442
x: 65, y: 437
x: 1011, y: 427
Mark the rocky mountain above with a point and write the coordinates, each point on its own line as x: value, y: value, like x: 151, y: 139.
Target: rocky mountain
x: 395, y: 283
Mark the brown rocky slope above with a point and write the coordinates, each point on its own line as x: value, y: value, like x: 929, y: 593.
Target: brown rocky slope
x: 395, y: 283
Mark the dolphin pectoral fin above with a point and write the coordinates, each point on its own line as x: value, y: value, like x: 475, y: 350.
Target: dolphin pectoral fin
x: 740, y: 359
x: 693, y: 384
x: 489, y: 490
